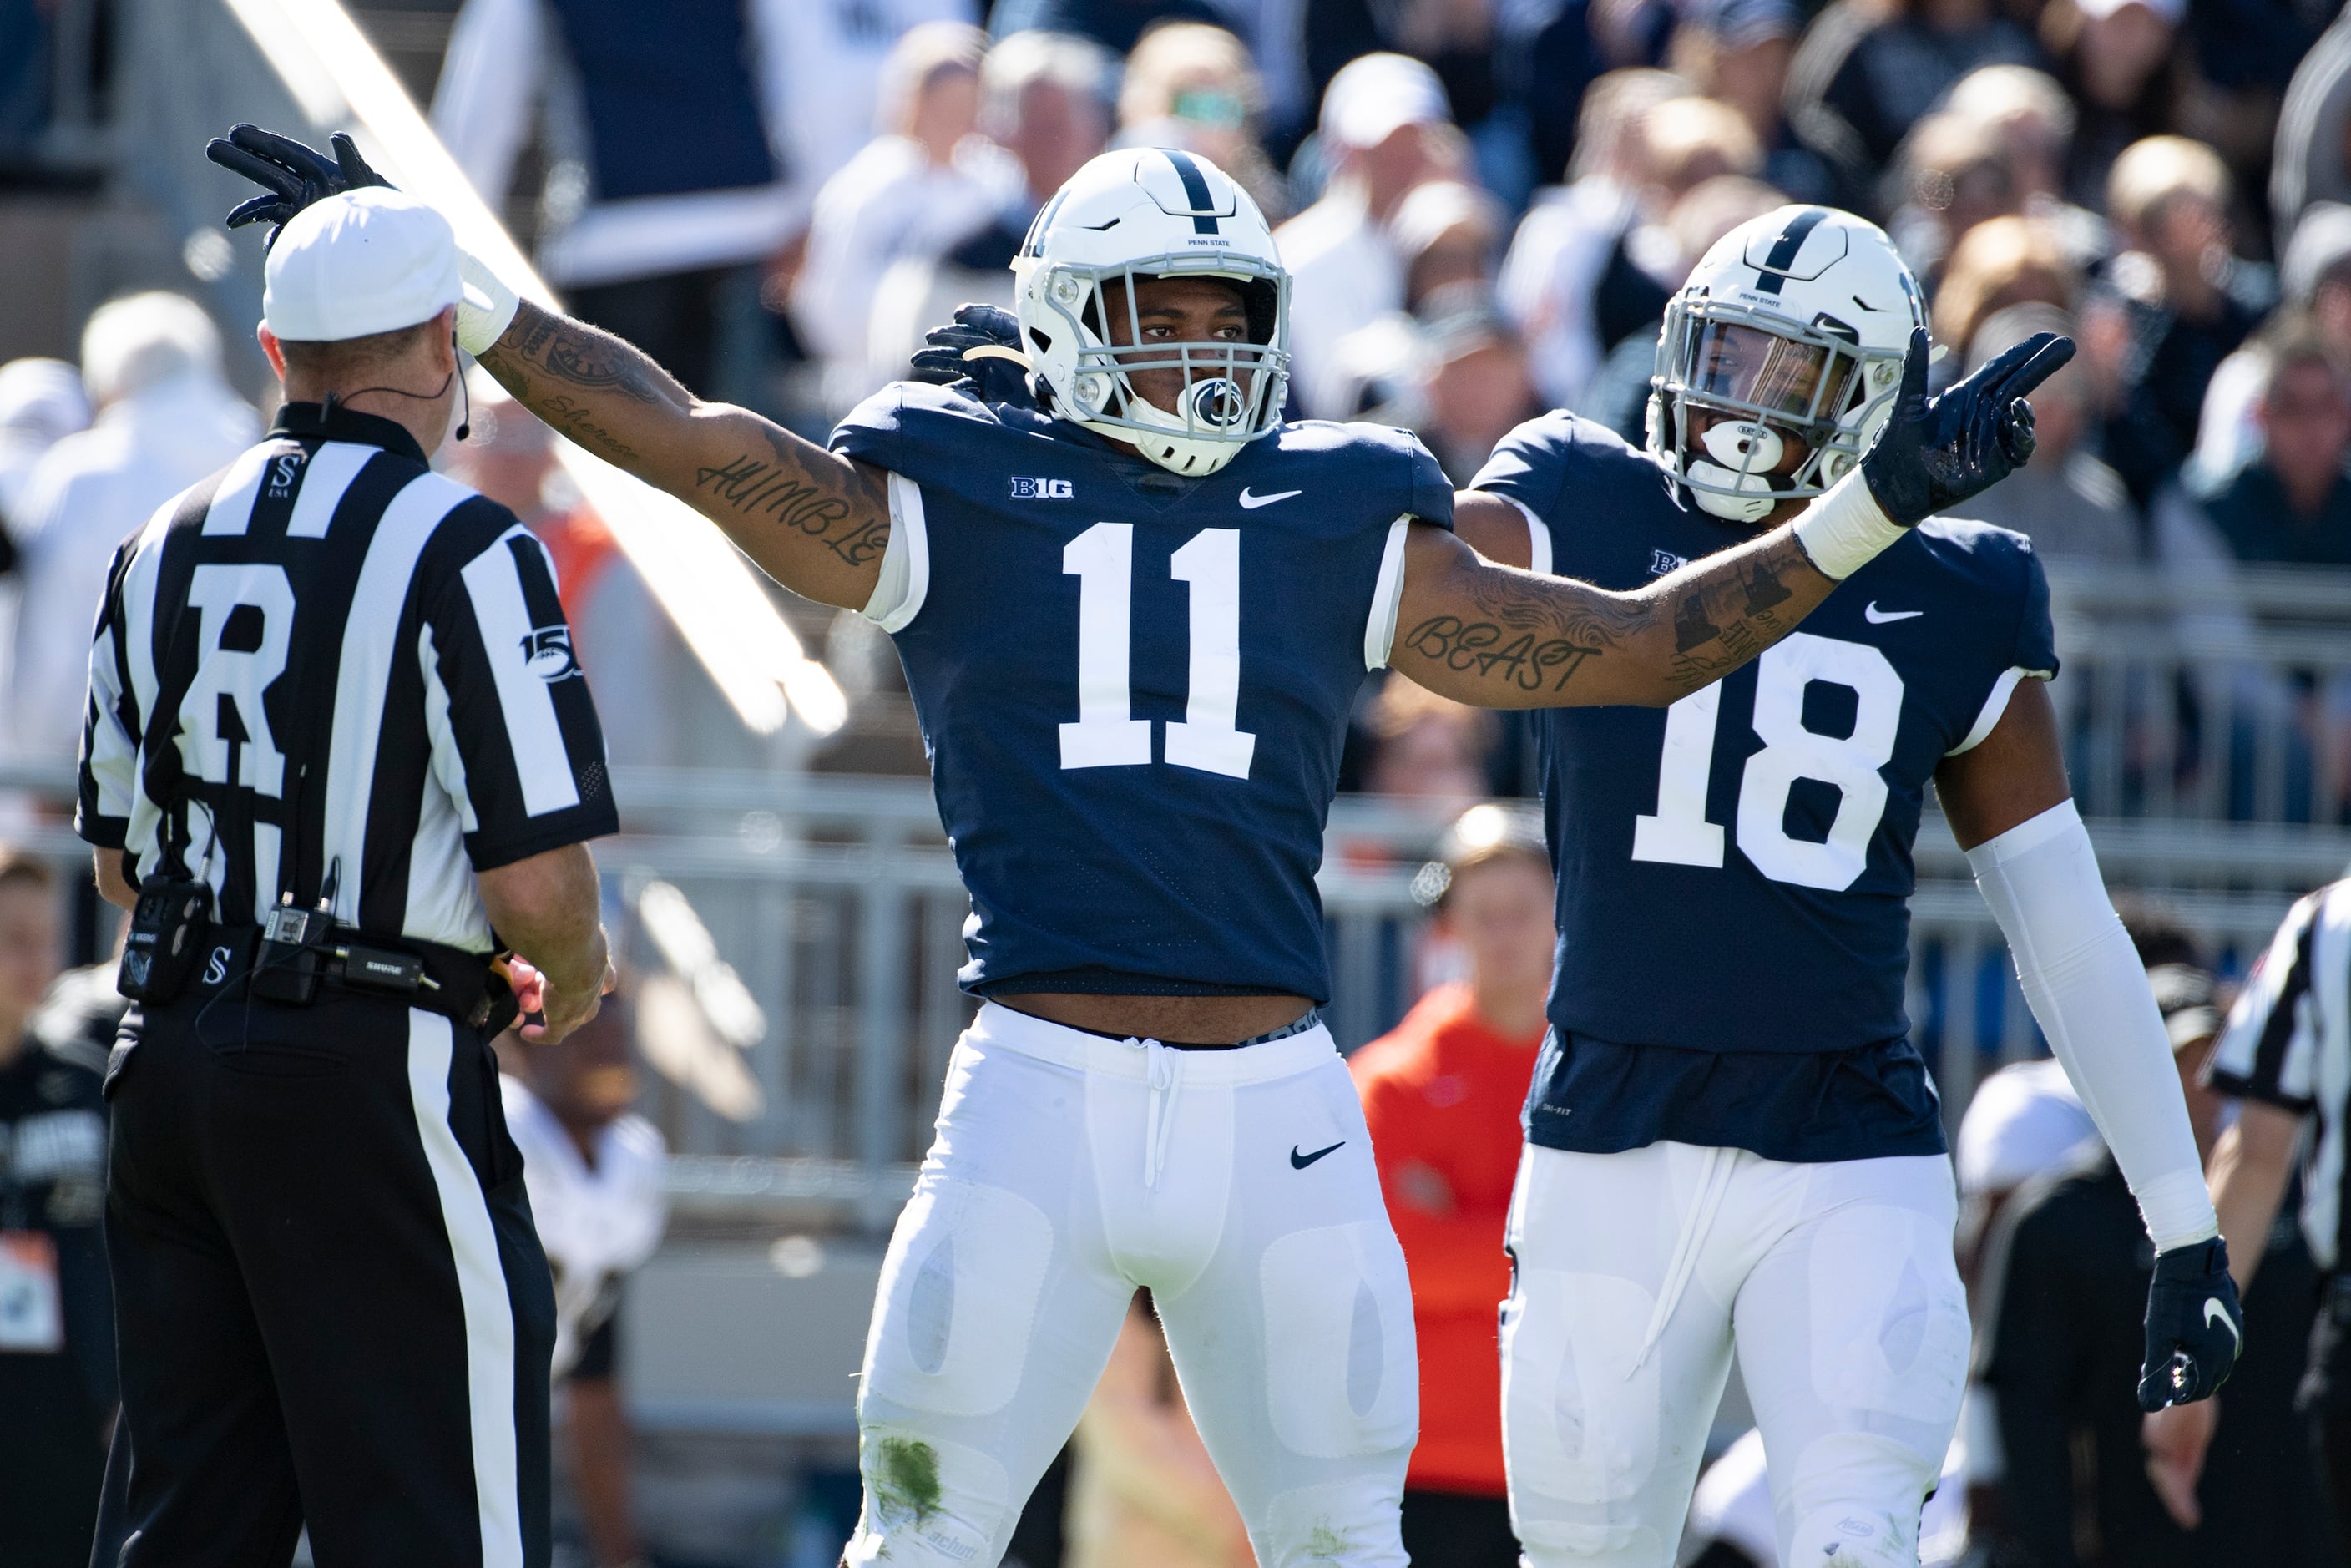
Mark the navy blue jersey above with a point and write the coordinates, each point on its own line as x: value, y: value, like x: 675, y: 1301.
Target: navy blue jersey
x: 1133, y: 686
x: 1735, y: 870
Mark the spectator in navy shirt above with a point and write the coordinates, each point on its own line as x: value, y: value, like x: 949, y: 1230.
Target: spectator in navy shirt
x: 1868, y: 71
x: 2178, y: 303
x: 1737, y: 51
x: 2292, y: 505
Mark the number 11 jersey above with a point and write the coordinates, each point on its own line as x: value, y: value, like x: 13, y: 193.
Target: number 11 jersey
x: 1133, y: 686
x: 1735, y: 870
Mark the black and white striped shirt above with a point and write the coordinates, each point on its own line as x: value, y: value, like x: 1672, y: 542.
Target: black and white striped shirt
x: 2288, y: 1044
x: 328, y: 670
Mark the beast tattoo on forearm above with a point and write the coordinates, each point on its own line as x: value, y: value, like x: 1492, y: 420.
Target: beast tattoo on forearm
x: 1702, y: 624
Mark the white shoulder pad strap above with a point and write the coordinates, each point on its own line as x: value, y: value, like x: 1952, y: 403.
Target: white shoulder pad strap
x: 1379, y: 630
x: 905, y: 579
x: 1538, y: 536
x: 1996, y: 705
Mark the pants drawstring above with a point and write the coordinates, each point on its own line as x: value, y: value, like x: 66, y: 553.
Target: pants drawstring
x: 1165, y: 1069
x: 1713, y: 1184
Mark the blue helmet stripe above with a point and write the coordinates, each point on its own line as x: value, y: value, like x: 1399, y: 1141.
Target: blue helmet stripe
x: 1195, y: 191
x: 1774, y: 270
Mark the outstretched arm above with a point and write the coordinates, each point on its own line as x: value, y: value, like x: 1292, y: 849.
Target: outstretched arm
x: 815, y: 521
x: 1498, y: 637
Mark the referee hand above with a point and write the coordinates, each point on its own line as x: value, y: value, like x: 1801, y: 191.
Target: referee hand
x: 550, y: 1011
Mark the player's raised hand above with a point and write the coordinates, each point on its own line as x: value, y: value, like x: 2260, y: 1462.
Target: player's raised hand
x: 293, y: 175
x: 982, y: 345
x: 2195, y: 1327
x: 1936, y: 452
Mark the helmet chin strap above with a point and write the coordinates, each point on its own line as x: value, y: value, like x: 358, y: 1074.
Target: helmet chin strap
x: 1739, y: 456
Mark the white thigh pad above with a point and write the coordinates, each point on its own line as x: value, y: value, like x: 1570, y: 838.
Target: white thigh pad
x: 1580, y: 1430
x: 959, y: 1294
x: 1889, y: 1318
x: 1342, y: 1378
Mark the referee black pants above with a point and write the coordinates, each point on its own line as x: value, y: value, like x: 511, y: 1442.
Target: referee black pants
x: 332, y: 1307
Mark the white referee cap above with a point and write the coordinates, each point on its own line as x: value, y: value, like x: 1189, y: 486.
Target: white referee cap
x: 367, y: 261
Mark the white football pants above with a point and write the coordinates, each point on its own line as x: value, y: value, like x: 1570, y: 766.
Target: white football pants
x: 1068, y: 1170
x: 1636, y: 1271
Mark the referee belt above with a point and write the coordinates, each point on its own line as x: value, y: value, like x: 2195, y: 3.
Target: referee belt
x: 465, y: 987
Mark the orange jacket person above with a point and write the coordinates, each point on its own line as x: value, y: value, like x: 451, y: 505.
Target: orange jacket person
x: 1441, y: 1092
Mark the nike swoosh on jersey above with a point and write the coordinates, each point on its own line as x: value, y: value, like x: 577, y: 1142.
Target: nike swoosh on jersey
x: 2212, y: 1309
x: 1876, y: 616
x: 1299, y: 1161
x: 1251, y: 503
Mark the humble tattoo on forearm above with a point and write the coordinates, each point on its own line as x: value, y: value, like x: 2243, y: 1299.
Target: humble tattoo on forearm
x: 586, y: 382
x: 767, y: 489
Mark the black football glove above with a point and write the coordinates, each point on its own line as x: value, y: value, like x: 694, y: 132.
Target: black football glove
x: 2195, y: 1329
x: 982, y: 346
x: 294, y: 175
x: 1937, y: 452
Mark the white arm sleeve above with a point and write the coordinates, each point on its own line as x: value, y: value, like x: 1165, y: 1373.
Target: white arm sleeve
x: 2089, y: 990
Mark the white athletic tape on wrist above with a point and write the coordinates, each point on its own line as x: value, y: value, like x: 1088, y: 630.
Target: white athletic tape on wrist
x: 1845, y: 529
x: 480, y: 326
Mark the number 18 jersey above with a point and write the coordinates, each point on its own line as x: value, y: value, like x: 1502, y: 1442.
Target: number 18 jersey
x: 1735, y: 870
x: 1133, y: 686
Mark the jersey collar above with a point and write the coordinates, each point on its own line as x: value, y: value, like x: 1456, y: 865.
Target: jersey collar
x: 317, y: 422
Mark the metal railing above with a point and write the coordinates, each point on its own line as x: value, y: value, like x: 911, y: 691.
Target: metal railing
x: 835, y: 901
x: 2224, y: 697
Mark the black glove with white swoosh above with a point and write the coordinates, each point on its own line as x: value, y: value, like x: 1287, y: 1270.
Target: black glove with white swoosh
x: 2195, y: 1327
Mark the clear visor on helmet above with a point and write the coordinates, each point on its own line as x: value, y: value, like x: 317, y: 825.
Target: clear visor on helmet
x: 1753, y: 408
x: 1752, y: 371
x: 1222, y: 388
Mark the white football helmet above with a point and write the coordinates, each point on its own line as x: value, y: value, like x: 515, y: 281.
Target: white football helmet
x: 1795, y: 324
x: 1144, y: 212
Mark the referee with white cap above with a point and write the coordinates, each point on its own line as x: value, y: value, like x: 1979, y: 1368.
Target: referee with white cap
x: 2284, y: 1056
x: 338, y: 759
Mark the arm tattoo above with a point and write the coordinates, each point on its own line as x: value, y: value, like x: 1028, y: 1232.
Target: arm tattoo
x: 586, y: 360
x: 1536, y: 635
x: 620, y: 405
x: 570, y: 415
x: 765, y: 489
x: 1527, y: 663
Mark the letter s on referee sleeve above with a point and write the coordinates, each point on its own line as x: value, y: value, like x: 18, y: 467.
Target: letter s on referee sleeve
x: 528, y: 750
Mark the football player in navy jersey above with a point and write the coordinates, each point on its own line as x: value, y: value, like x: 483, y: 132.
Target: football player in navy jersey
x: 1135, y: 608
x: 1730, y: 1137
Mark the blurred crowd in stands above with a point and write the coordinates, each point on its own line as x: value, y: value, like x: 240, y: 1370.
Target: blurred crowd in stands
x: 1484, y: 204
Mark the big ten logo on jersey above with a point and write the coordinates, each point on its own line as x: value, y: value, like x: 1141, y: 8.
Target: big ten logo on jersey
x: 1678, y: 832
x: 284, y: 469
x: 547, y: 650
x: 1106, y: 734
x: 1043, y: 490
